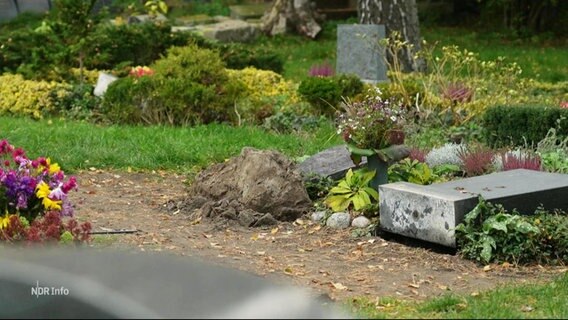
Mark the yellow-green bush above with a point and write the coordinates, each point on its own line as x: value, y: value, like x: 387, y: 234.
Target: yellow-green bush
x: 266, y: 93
x: 89, y: 76
x: 31, y: 98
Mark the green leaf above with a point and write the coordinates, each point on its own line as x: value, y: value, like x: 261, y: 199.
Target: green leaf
x: 367, y: 177
x: 163, y: 7
x: 359, y: 202
x: 360, y: 152
x: 393, y: 153
x: 338, y: 203
x: 372, y: 192
x: 349, y: 176
x: 340, y: 190
x: 487, y: 252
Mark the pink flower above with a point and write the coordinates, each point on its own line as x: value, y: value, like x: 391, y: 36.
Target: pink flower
x: 564, y: 104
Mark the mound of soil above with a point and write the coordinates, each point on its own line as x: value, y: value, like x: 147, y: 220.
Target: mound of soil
x: 256, y: 188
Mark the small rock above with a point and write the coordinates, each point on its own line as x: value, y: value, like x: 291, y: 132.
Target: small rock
x: 339, y: 220
x: 318, y: 216
x: 265, y: 220
x: 230, y: 213
x: 246, y: 218
x: 361, y: 222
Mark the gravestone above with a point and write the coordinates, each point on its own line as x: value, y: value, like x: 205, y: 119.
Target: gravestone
x: 146, y: 18
x: 8, y: 10
x: 359, y: 52
x: 229, y: 31
x: 37, y: 6
x: 333, y: 162
x: 432, y: 212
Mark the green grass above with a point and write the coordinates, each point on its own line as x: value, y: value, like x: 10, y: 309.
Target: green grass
x: 76, y: 145
x: 539, y: 301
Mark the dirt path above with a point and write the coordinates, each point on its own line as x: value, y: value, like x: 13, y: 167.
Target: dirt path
x: 330, y: 261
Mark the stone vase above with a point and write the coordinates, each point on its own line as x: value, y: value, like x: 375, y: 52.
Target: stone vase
x: 381, y: 171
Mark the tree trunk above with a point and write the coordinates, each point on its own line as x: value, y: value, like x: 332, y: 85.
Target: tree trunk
x: 291, y: 15
x: 396, y: 15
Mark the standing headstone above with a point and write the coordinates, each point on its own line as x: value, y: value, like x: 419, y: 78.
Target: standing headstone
x: 37, y: 6
x: 359, y: 51
x: 8, y: 10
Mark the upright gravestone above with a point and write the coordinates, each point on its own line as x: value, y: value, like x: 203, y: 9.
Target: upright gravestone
x: 36, y: 6
x: 359, y: 51
x: 8, y: 10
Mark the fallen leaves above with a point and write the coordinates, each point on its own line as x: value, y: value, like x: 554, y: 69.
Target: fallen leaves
x: 338, y: 286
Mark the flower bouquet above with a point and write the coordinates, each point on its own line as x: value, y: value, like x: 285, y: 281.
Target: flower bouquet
x: 33, y: 199
x: 373, y: 128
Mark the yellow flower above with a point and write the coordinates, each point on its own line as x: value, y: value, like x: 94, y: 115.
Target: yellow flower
x: 43, y: 192
x: 4, y: 221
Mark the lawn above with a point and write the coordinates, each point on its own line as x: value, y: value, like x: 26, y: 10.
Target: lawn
x: 540, y: 301
x: 77, y: 145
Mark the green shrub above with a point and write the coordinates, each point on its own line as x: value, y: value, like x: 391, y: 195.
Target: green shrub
x: 323, y: 93
x: 491, y: 234
x: 190, y: 86
x: 130, y: 44
x: 79, y: 103
x: 518, y: 125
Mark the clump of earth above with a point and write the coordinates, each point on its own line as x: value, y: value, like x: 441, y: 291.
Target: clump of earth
x: 257, y: 188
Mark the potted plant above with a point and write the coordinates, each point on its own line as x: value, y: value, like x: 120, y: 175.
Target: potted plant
x: 373, y: 128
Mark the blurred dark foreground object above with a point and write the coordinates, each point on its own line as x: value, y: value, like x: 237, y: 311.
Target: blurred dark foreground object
x: 90, y: 283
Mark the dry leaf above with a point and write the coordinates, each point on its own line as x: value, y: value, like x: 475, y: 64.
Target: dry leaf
x: 299, y: 222
x: 254, y: 237
x: 527, y: 308
x: 414, y: 291
x: 475, y: 294
x: 371, y: 241
x: 288, y: 271
x: 443, y: 287
x: 506, y: 264
x: 261, y: 253
x: 487, y: 268
x: 207, y: 235
x: 338, y: 286
x: 273, y: 231
x: 215, y: 245
x: 414, y: 285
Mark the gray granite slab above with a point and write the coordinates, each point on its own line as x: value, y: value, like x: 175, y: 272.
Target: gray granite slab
x: 431, y: 213
x: 333, y: 162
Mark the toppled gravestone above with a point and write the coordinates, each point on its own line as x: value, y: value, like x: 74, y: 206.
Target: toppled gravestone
x: 256, y: 188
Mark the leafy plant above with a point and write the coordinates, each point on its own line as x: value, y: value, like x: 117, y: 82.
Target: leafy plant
x: 556, y: 161
x: 489, y: 234
x: 411, y: 171
x: 353, y: 190
x: 318, y: 186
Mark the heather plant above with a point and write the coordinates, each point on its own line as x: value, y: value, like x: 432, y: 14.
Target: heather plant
x: 417, y: 154
x: 321, y: 70
x: 511, y: 161
x: 449, y: 153
x: 476, y: 160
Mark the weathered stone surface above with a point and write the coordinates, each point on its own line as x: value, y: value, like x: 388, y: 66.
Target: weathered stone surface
x: 431, y: 213
x: 7, y: 10
x: 246, y: 218
x: 360, y: 222
x: 333, y: 162
x: 339, y: 220
x: 317, y: 216
x: 265, y: 220
x: 103, y: 82
x: 359, y: 52
x: 229, y: 31
x: 263, y: 181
